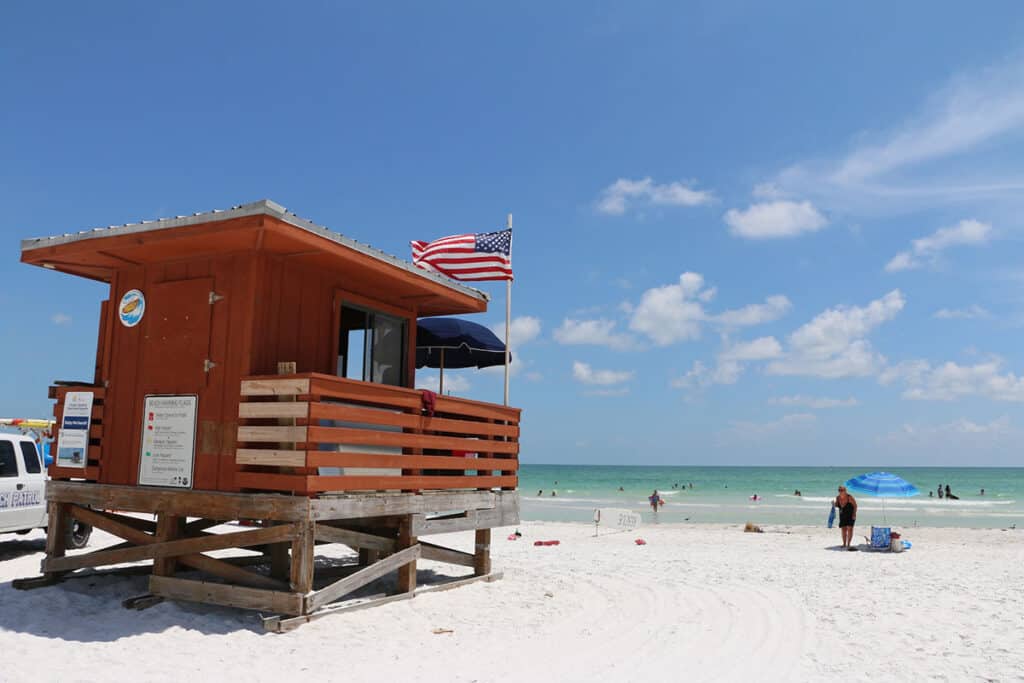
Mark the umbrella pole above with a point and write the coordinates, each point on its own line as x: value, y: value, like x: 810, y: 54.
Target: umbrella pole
x: 440, y: 382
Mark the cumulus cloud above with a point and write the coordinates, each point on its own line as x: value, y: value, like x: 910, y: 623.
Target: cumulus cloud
x: 762, y: 348
x: 525, y: 329
x: 950, y: 381
x: 671, y: 313
x: 926, y: 250
x: 773, y: 308
x: 60, y: 319
x: 834, y: 343
x: 600, y: 332
x: 816, y: 402
x: 583, y: 373
x: 618, y: 197
x: 972, y: 312
x: 775, y: 219
x: 729, y: 365
x: 961, y: 429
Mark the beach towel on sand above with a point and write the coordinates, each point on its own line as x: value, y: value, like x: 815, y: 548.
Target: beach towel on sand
x: 832, y: 517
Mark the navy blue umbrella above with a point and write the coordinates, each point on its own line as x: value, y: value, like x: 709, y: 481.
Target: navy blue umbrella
x: 456, y: 343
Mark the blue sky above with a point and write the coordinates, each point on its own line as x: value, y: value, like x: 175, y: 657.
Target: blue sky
x: 781, y: 233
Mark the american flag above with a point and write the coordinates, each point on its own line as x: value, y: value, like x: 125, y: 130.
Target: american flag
x: 483, y: 256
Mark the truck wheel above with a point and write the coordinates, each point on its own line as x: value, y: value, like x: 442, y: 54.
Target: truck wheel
x: 78, y: 534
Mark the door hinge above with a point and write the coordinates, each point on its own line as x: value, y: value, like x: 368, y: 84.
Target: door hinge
x: 215, y: 297
x: 208, y: 365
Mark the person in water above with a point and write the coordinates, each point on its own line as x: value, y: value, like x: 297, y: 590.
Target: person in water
x: 847, y: 515
x: 655, y: 500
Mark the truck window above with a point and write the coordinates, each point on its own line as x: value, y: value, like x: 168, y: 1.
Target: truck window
x: 8, y: 465
x: 28, y: 451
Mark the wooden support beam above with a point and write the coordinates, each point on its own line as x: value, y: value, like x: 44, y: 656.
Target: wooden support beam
x: 361, y: 578
x: 58, y: 523
x: 407, y: 572
x: 389, y: 504
x: 482, y: 553
x: 303, y: 546
x: 204, y: 504
x: 166, y: 549
x: 438, y: 553
x: 473, y: 519
x: 223, y: 594
x: 354, y: 539
x: 111, y: 524
x: 168, y: 528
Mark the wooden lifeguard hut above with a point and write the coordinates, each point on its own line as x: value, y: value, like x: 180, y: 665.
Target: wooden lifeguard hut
x: 252, y: 365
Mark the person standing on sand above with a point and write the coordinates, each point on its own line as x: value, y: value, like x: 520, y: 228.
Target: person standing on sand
x: 847, y: 515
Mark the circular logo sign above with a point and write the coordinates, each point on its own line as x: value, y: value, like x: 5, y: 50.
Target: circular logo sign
x: 131, y: 308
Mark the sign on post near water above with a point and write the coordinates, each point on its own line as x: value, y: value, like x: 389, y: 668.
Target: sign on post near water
x: 616, y: 518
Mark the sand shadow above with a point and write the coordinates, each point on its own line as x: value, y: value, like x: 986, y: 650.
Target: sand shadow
x: 87, y: 606
x: 10, y: 550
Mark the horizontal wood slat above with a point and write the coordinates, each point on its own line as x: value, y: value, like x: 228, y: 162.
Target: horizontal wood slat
x: 265, y: 386
x: 223, y: 594
x: 408, y: 462
x: 292, y: 409
x: 271, y: 434
x: 272, y: 457
x: 332, y: 411
x: 301, y: 483
x: 369, y: 437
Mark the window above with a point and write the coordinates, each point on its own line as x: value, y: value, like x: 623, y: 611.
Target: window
x: 28, y: 451
x: 372, y: 346
x: 8, y: 464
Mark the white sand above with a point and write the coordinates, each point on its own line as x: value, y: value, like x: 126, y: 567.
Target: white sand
x: 696, y: 602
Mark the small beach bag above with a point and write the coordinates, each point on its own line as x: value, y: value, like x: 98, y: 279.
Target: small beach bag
x: 881, y: 536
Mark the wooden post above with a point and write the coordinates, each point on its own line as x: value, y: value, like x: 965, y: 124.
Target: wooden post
x: 407, y: 572
x: 168, y: 528
x: 58, y: 524
x: 279, y: 560
x: 482, y: 553
x: 302, y: 557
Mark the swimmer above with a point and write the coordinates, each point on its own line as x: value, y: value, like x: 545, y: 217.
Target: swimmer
x: 553, y: 494
x: 540, y: 493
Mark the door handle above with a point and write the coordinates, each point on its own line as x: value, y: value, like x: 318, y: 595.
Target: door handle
x: 21, y: 486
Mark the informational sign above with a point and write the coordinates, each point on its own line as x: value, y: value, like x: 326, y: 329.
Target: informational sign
x: 168, y: 441
x: 614, y: 518
x: 73, y: 437
x: 131, y: 308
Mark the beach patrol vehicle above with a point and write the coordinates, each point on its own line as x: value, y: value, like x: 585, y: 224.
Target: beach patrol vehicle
x: 22, y: 495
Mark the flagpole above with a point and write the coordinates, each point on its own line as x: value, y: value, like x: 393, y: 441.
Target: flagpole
x: 508, y: 316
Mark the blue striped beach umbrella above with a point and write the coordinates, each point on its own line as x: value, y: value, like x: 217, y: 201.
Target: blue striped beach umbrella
x: 883, y: 485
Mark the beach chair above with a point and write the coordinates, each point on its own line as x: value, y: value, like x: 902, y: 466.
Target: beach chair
x: 881, y: 537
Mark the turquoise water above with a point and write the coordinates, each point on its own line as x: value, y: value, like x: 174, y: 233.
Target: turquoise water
x: 722, y: 494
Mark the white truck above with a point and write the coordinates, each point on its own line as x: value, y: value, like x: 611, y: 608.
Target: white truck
x: 22, y: 495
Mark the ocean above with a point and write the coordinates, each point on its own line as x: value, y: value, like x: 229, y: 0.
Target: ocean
x: 723, y: 495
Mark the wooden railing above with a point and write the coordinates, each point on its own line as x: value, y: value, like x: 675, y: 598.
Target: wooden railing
x: 378, y: 438
x: 91, y: 471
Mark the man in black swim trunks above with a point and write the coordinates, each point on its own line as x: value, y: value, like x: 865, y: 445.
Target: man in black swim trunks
x: 847, y: 515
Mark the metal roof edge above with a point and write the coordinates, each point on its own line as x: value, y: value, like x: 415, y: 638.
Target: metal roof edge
x: 266, y: 207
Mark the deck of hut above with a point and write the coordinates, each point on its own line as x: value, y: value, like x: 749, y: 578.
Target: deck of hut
x: 290, y: 350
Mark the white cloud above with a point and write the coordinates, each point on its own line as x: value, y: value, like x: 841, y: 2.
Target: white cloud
x: 762, y: 348
x: 671, y: 313
x: 775, y: 219
x: 453, y: 383
x: 961, y: 429
x: 814, y: 402
x: 787, y: 424
x: 729, y: 364
x: 773, y: 308
x: 620, y: 195
x: 926, y: 250
x: 902, y: 164
x: 621, y: 391
x: 833, y: 344
x: 599, y: 332
x: 950, y: 381
x: 525, y: 329
x: 582, y: 372
x: 972, y: 312
x: 60, y: 319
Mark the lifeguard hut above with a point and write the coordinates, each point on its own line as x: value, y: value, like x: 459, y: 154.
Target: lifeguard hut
x: 252, y: 365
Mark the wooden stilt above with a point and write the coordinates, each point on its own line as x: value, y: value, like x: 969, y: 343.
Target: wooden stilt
x: 58, y: 524
x: 407, y: 572
x: 302, y: 557
x: 168, y: 528
x: 482, y: 554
